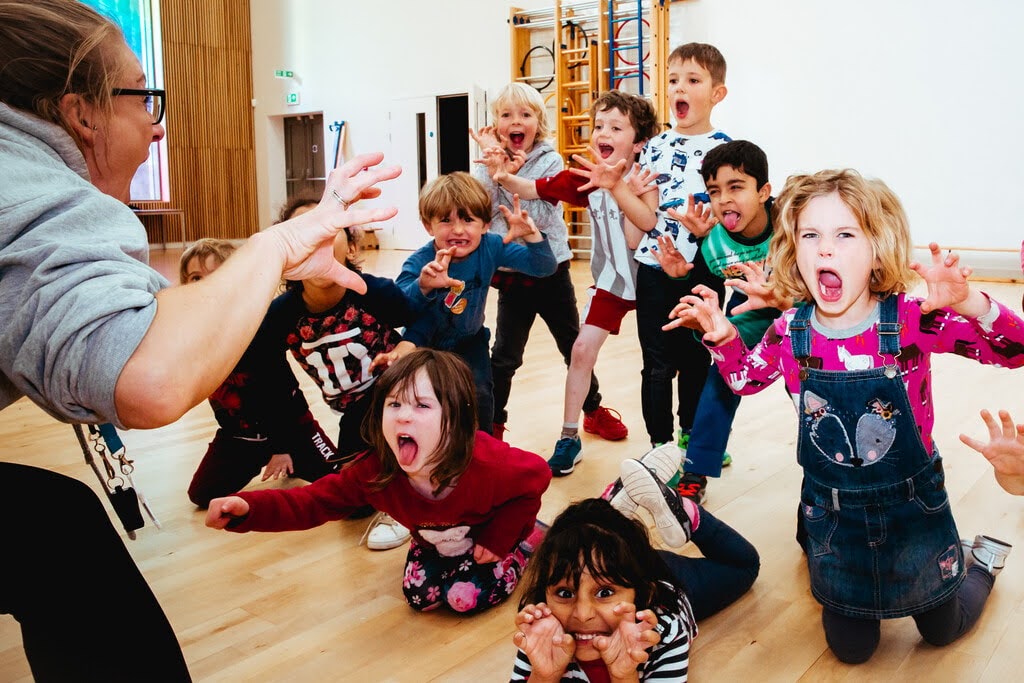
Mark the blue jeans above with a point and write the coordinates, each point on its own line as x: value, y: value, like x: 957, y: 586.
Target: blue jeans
x: 728, y: 569
x: 476, y: 352
x: 674, y: 355
x: 713, y: 423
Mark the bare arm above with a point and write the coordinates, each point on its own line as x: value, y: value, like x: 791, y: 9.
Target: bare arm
x: 200, y: 331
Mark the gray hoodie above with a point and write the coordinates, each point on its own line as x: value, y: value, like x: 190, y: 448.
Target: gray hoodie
x: 76, y: 294
x: 541, y: 162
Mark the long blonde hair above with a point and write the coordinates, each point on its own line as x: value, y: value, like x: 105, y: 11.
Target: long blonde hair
x: 879, y: 214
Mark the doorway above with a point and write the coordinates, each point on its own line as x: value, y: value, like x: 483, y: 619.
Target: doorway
x: 305, y: 169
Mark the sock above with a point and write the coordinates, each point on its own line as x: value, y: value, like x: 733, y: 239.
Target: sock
x: 611, y: 490
x: 570, y: 429
x: 692, y: 511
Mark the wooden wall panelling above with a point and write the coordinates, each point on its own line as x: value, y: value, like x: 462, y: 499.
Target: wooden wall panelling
x: 210, y: 140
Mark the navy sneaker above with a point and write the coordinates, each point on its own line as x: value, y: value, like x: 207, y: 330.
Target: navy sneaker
x: 568, y: 452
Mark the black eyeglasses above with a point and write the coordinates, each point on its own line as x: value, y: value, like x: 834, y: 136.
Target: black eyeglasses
x: 154, y: 100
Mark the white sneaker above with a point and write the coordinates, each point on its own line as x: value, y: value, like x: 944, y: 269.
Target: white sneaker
x: 663, y: 460
x: 384, y: 533
x: 988, y: 552
x: 645, y: 490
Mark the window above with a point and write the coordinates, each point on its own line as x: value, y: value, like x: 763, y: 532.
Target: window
x: 140, y: 22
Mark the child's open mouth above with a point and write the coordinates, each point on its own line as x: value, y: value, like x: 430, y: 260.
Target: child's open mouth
x: 830, y: 285
x: 682, y: 109
x: 605, y: 150
x: 517, y: 139
x: 407, y: 450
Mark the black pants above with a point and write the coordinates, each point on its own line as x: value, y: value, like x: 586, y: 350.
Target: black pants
x: 85, y: 609
x: 674, y: 357
x: 854, y: 640
x: 520, y: 300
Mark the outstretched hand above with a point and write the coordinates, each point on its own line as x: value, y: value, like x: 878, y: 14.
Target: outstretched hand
x: 221, y: 511
x: 642, y: 180
x: 541, y: 636
x: 598, y: 172
x: 698, y: 218
x: 946, y: 280
x: 486, y: 137
x: 626, y: 647
x: 754, y: 283
x: 671, y: 261
x: 1005, y: 450
x: 520, y: 225
x: 306, y: 242
x: 701, y: 311
x: 434, y: 275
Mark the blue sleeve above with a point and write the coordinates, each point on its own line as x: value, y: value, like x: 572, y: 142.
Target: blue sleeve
x: 409, y: 279
x: 532, y: 258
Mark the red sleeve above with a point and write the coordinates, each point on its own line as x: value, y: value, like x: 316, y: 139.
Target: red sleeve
x: 524, y: 478
x: 331, y: 497
x: 563, y: 187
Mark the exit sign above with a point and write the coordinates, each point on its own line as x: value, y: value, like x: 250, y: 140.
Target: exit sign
x: 291, y: 98
x: 281, y: 73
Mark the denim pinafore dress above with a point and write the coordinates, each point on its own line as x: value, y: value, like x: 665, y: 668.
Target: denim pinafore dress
x: 880, y: 538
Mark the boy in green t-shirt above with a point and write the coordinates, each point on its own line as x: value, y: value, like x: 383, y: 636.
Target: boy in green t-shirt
x: 736, y: 176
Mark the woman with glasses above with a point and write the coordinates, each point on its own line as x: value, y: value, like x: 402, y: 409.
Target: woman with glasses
x: 91, y: 333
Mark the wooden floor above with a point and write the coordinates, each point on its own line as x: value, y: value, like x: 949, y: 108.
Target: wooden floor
x: 314, y: 606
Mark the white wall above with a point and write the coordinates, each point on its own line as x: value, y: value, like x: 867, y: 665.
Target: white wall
x: 922, y: 95
x: 353, y: 61
x: 925, y: 96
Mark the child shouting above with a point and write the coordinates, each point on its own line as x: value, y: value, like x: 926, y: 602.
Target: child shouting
x: 469, y: 499
x: 875, y: 520
x: 449, y: 277
x: 621, y: 124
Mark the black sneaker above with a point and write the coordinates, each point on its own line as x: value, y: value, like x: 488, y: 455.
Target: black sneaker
x: 693, y: 486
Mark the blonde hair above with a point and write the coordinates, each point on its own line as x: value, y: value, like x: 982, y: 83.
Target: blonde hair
x: 521, y: 95
x: 51, y: 48
x: 456, y: 191
x: 203, y: 249
x: 879, y: 214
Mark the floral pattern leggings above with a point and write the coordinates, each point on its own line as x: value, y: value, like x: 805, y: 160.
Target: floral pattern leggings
x: 467, y: 587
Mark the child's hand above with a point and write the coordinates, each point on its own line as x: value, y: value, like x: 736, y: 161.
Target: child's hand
x: 698, y: 218
x: 754, y: 284
x: 597, y: 172
x: 280, y: 465
x: 222, y: 510
x: 946, y: 280
x: 641, y: 181
x: 700, y: 311
x: 482, y: 555
x: 434, y: 275
x: 383, y: 360
x: 671, y: 261
x: 498, y: 164
x: 1005, y: 450
x: 520, y: 225
x: 485, y: 137
x: 545, y: 643
x: 627, y: 646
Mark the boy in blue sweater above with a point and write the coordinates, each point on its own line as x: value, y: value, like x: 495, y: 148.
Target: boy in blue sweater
x: 450, y: 275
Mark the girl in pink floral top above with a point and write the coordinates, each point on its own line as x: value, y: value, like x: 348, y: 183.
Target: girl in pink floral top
x: 874, y: 518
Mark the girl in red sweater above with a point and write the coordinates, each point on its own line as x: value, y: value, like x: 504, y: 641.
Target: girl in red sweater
x: 469, y: 499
